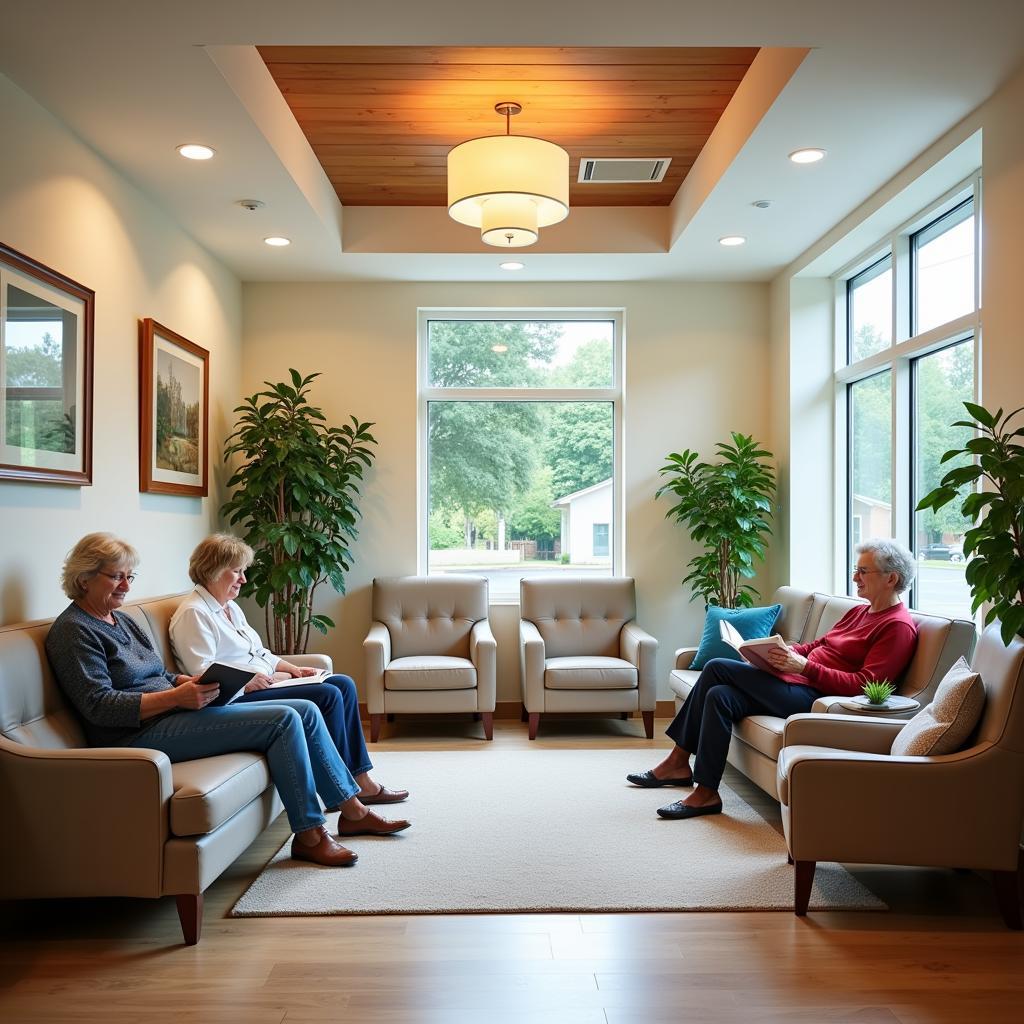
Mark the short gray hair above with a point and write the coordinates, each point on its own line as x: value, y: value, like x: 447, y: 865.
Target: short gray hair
x: 89, y: 556
x: 891, y: 556
x: 216, y: 553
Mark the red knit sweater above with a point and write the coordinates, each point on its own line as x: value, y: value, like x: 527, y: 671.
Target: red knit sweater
x: 862, y: 647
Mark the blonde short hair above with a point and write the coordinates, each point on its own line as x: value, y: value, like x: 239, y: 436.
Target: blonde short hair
x: 89, y: 556
x: 216, y: 553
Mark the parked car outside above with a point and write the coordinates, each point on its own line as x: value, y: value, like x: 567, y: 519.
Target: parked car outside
x: 942, y: 553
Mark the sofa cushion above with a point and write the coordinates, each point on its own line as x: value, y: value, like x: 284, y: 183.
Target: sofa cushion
x: 762, y: 732
x: 210, y: 790
x: 681, y: 680
x: 750, y: 623
x: 943, y: 726
x: 430, y: 672
x: 583, y: 673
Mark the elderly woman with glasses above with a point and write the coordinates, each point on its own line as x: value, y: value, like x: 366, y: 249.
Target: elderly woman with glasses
x: 209, y: 626
x: 105, y: 663
x: 870, y: 643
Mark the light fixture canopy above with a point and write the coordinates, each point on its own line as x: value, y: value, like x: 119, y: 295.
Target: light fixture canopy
x: 509, y: 186
x: 511, y: 265
x: 278, y: 241
x: 732, y: 240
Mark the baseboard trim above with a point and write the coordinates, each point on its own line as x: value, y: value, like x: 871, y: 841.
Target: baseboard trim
x: 510, y: 710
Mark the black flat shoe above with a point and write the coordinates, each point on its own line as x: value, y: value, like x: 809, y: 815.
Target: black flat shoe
x: 648, y: 780
x: 679, y: 810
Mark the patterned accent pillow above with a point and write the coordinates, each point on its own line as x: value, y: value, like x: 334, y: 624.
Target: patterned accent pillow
x: 943, y: 726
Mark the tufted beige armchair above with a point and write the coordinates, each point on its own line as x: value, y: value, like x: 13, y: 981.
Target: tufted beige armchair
x: 846, y: 798
x: 430, y: 649
x: 581, y: 650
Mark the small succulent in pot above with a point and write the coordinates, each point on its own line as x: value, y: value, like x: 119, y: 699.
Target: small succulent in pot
x: 879, y: 693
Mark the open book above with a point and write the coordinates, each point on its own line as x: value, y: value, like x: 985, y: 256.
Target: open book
x: 231, y: 679
x: 280, y: 679
x: 752, y: 650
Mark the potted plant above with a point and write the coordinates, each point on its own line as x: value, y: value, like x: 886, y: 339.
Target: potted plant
x: 878, y: 693
x: 295, y: 494
x: 994, y: 546
x: 726, y: 505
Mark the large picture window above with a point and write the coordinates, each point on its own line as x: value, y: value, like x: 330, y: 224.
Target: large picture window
x: 904, y: 369
x: 520, y: 415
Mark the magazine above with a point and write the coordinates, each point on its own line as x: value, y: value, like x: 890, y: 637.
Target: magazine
x: 318, y: 677
x: 752, y: 650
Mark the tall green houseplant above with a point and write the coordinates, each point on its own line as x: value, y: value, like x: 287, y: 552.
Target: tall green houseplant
x: 295, y: 493
x: 994, y: 546
x: 727, y: 507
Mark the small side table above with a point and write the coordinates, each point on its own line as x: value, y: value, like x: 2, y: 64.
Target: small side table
x: 895, y: 707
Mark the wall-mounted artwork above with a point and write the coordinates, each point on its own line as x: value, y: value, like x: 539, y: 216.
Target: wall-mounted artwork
x: 46, y: 350
x: 174, y: 390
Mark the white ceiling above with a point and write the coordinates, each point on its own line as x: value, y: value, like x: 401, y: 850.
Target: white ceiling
x: 884, y: 79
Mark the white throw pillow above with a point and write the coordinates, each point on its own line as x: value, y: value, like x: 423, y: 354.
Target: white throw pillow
x: 942, y: 726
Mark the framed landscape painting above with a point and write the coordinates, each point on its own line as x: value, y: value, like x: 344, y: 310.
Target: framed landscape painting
x: 46, y: 361
x: 174, y: 392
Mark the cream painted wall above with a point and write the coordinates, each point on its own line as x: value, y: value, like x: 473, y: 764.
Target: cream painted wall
x: 696, y: 361
x: 63, y: 205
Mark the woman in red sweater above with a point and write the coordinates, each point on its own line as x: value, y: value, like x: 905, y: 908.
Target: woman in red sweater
x: 871, y: 642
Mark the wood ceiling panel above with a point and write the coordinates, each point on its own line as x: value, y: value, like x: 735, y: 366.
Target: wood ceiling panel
x: 382, y: 119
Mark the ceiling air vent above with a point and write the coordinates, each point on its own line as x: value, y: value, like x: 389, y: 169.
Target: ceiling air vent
x: 621, y: 171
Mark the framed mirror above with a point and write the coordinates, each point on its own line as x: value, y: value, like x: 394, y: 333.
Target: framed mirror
x: 46, y: 371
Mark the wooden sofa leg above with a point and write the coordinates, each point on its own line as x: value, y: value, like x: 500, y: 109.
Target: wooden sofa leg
x: 803, y: 879
x: 190, y: 913
x: 375, y: 722
x: 534, y: 722
x: 488, y: 720
x: 649, y: 724
x: 1008, y: 886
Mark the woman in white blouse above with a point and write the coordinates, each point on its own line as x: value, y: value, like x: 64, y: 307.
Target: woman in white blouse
x: 209, y: 626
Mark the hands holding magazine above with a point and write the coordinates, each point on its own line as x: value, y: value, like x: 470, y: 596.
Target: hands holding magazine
x: 770, y: 653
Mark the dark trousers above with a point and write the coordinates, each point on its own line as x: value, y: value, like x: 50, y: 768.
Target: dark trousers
x: 338, y: 702
x: 725, y: 692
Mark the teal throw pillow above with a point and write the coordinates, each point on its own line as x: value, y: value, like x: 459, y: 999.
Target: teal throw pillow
x: 750, y: 623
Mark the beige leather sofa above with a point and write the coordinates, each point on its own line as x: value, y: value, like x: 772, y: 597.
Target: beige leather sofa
x: 114, y: 821
x: 805, y: 616
x: 581, y: 650
x: 845, y: 798
x: 430, y: 649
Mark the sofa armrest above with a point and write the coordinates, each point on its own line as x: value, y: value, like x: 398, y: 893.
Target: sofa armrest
x: 483, y: 652
x: 531, y: 665
x: 640, y: 649
x: 317, y: 661
x: 83, y: 822
x: 376, y: 656
x: 867, y: 735
x: 684, y: 657
x: 834, y: 706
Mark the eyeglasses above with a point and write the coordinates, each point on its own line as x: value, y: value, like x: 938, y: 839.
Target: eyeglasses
x: 119, y: 577
x: 864, y: 572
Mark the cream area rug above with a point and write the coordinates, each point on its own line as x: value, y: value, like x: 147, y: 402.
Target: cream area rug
x: 546, y: 830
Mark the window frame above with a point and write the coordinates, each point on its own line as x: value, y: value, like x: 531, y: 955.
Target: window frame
x: 899, y: 357
x: 426, y: 393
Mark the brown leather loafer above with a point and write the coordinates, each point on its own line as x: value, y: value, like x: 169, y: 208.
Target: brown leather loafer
x: 370, y: 825
x: 386, y: 796
x: 328, y: 851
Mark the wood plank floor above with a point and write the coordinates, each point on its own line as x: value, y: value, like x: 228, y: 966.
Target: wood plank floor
x: 941, y: 953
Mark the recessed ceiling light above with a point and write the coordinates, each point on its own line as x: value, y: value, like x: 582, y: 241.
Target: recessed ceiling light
x: 194, y: 151
x: 512, y: 265
x: 277, y: 240
x: 732, y: 240
x: 499, y: 348
x: 807, y: 156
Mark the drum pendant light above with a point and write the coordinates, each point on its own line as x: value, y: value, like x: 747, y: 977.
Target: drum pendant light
x: 509, y: 186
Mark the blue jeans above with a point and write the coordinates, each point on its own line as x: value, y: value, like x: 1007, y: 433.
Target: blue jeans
x: 725, y: 692
x: 338, y: 702
x: 302, y: 758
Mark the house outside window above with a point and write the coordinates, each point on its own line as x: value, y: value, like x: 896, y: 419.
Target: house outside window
x: 520, y: 421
